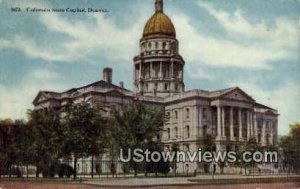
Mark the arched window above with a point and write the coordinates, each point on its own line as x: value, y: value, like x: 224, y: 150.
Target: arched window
x: 156, y: 45
x: 149, y: 45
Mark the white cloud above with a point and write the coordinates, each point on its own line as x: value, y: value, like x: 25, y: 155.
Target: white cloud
x: 97, y: 34
x: 4, y: 43
x: 17, y: 99
x: 254, y: 46
x: 281, y: 35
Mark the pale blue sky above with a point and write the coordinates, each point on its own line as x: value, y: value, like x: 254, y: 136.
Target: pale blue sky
x: 251, y: 44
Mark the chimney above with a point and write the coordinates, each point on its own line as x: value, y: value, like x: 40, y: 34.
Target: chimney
x: 107, y: 75
x: 122, y: 84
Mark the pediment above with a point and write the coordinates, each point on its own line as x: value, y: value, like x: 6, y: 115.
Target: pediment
x: 237, y: 94
x: 270, y: 112
x: 39, y: 98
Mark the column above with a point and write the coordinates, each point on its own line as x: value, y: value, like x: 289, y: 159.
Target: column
x: 271, y: 133
x: 231, y: 124
x: 160, y: 70
x: 263, y: 135
x: 140, y: 77
x: 255, y: 127
x: 248, y: 124
x: 172, y: 70
x: 240, y: 125
x: 151, y: 70
x: 140, y: 70
x: 276, y: 132
x: 200, y: 122
x: 223, y: 121
x: 219, y: 132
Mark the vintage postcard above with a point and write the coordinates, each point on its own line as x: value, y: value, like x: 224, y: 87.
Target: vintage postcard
x: 149, y: 94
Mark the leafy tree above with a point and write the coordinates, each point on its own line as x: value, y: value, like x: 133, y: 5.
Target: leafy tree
x: 156, y: 167
x: 15, y: 139
x: 136, y: 125
x: 249, y: 146
x: 47, y: 135
x: 7, y: 157
x: 83, y: 127
x: 290, y: 148
x: 206, y: 145
x: 175, y: 149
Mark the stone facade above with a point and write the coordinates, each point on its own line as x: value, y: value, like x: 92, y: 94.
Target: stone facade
x: 230, y: 115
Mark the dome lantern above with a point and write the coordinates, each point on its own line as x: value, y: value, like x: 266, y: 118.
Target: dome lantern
x: 159, y: 6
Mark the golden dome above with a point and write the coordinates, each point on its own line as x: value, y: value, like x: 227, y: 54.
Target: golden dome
x: 159, y: 23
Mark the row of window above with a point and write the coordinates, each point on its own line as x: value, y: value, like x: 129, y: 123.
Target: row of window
x: 156, y: 45
x: 187, y: 114
x: 175, y: 132
x: 187, y: 132
x: 186, y: 147
x: 166, y: 86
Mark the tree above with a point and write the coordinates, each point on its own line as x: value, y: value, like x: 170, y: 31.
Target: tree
x: 207, y: 145
x: 290, y: 150
x: 136, y: 125
x: 174, y: 149
x: 156, y: 167
x: 7, y: 157
x: 83, y: 128
x: 15, y: 139
x: 250, y: 146
x: 21, y: 142
x: 47, y: 135
x: 112, y: 143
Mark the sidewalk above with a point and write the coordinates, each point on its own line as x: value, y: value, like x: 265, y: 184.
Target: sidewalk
x: 147, y: 182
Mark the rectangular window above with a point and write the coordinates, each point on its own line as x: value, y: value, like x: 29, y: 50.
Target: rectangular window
x: 187, y: 113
